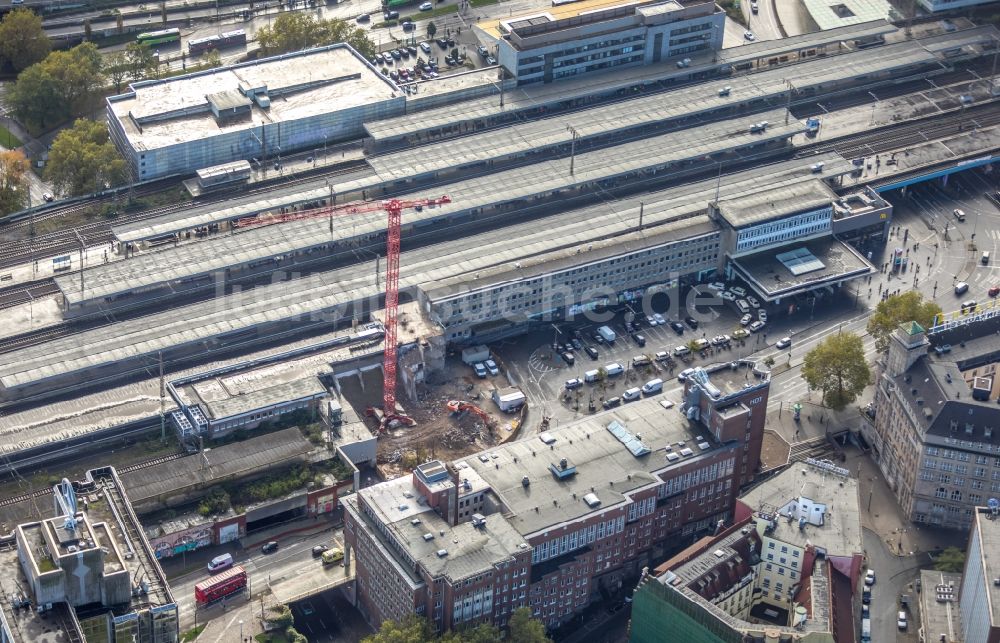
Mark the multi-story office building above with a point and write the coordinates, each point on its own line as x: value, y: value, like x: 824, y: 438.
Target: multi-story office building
x: 257, y: 110
x: 935, y: 434
x: 979, y: 599
x: 786, y: 570
x: 936, y: 6
x: 571, y: 39
x: 552, y: 521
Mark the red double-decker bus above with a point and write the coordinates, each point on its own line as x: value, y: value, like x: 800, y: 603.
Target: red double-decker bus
x: 232, y: 581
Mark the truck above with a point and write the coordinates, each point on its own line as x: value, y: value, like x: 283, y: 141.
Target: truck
x: 228, y: 583
x: 474, y: 354
x: 607, y: 334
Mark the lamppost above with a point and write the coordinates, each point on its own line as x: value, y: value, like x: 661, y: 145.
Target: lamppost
x: 241, y: 630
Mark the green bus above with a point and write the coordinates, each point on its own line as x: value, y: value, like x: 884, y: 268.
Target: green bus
x: 159, y: 37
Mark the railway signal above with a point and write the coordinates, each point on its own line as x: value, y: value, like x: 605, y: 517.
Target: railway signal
x: 394, y: 209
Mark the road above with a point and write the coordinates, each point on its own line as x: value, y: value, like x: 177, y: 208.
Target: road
x: 293, y: 560
x: 763, y: 24
x: 894, y: 575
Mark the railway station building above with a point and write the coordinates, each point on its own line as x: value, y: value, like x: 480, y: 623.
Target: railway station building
x: 575, y: 511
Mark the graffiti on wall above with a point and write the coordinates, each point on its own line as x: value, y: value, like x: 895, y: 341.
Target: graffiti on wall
x: 182, y: 541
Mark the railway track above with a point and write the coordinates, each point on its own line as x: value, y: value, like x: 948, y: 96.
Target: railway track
x: 43, y: 493
x: 98, y: 232
x: 22, y: 294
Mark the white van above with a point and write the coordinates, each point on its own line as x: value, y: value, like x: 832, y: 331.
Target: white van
x: 743, y: 306
x: 681, y: 351
x: 219, y: 563
x: 614, y: 368
x: 640, y: 360
x: 652, y: 386
x: 662, y: 356
x: 631, y: 395
x: 702, y: 343
x: 591, y: 376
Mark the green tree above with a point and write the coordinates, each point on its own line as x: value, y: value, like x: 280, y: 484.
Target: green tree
x: 693, y: 346
x: 141, y: 60
x: 900, y: 309
x: 116, y: 68
x: 525, y: 629
x: 83, y: 159
x: 483, y: 633
x: 431, y: 29
x: 211, y: 60
x: 837, y: 367
x: 951, y: 560
x: 294, y: 31
x: 22, y: 40
x: 13, y: 181
x: 65, y: 84
x: 412, y: 629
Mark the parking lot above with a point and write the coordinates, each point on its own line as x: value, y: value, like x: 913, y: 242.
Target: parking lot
x: 541, y: 370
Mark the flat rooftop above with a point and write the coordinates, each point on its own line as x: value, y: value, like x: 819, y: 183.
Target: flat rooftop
x: 492, y: 27
x: 769, y: 48
x: 833, y: 14
x: 776, y: 202
x: 827, y: 260
x: 578, y: 250
x: 449, y: 83
x: 840, y: 533
x: 939, y: 617
x: 470, y: 550
x: 160, y: 113
x: 232, y: 394
x: 258, y: 453
x: 603, y: 463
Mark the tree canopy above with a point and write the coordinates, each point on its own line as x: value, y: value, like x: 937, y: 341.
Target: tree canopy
x: 952, y: 559
x: 13, y: 181
x: 837, y: 367
x: 294, y: 31
x: 900, y: 309
x: 64, y: 85
x: 83, y: 159
x: 414, y: 629
x: 22, y: 40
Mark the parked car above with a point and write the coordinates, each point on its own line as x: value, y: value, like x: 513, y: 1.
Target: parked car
x: 870, y: 577
x: 683, y: 375
x: 426, y: 6
x: 318, y: 550
x: 47, y: 197
x: 591, y: 351
x: 632, y: 394
x: 717, y: 286
x: 745, y: 320
x: 638, y: 339
x: 480, y: 369
x: 363, y: 18
x: 678, y: 327
x: 269, y: 547
x: 994, y: 291
x: 959, y: 214
x: 391, y: 15
x: 740, y: 291
x: 749, y: 35
x: 691, y: 321
x: 482, y: 51
x: 784, y: 342
x: 612, y: 402
x: 409, y: 26
x: 969, y: 306
x: 568, y: 358
x: 901, y: 621
x: 762, y: 315
x: 660, y: 319
x: 720, y: 340
x: 425, y: 47
x: 490, y: 60
x: 961, y: 288
x: 728, y: 295
x: 571, y: 384
x: 652, y: 321
x: 753, y: 302
x: 491, y: 366
x: 740, y: 333
x: 757, y: 325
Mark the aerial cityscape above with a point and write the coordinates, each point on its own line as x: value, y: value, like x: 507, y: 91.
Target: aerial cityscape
x: 469, y: 321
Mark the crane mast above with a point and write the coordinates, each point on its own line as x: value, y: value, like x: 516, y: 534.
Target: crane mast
x: 394, y: 209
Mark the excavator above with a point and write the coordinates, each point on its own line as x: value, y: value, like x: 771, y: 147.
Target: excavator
x: 461, y: 406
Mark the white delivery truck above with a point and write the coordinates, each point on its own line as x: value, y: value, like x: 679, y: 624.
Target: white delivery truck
x: 474, y: 354
x: 607, y: 334
x: 652, y: 386
x: 591, y: 376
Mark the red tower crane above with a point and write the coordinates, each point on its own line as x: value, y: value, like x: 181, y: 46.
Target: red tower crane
x: 394, y: 208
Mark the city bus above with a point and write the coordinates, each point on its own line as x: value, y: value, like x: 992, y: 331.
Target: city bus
x: 159, y: 37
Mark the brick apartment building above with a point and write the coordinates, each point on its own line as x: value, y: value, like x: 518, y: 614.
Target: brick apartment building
x: 555, y: 521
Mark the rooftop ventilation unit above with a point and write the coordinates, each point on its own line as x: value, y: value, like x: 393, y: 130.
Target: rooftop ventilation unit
x: 547, y: 438
x: 478, y: 521
x: 686, y: 452
x: 704, y: 446
x: 719, y: 553
x: 525, y: 481
x: 428, y: 537
x: 673, y: 457
x: 415, y: 522
x: 592, y: 500
x: 441, y: 553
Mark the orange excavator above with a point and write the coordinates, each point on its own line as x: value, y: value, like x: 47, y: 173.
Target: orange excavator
x: 461, y: 406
